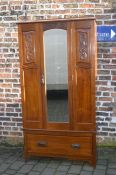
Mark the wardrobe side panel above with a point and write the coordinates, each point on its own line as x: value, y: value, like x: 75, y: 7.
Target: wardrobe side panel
x: 84, y: 76
x: 30, y: 75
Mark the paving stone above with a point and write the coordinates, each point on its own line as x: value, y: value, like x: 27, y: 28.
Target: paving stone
x: 53, y: 164
x: 66, y: 162
x: 111, y: 172
x: 21, y: 159
x: 25, y: 168
x: 102, y: 162
x: 48, y: 171
x: 13, y: 163
x: 86, y: 173
x: 112, y: 160
x: 1, y: 161
x: 11, y: 159
x: 9, y: 171
x: 104, y: 157
x: 74, y: 174
x: 16, y: 165
x: 19, y: 174
x: 33, y: 173
x: 112, y: 165
x: 99, y: 172
x: 39, y: 167
x: 87, y: 167
x: 46, y: 160
x: 3, y: 167
x: 77, y: 162
x: 63, y: 168
x: 61, y: 173
x: 101, y: 167
x: 31, y: 162
x: 5, y: 156
x: 75, y: 169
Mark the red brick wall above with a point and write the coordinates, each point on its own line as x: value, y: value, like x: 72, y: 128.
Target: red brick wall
x: 11, y: 11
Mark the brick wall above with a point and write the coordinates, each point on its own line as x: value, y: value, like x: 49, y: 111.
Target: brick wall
x: 12, y: 11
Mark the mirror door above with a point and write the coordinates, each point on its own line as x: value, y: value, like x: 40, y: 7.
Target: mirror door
x: 56, y: 77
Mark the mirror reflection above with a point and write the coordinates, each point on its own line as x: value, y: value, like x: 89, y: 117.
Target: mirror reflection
x: 56, y: 71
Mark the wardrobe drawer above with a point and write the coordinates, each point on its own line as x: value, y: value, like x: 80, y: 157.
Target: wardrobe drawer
x: 59, y: 145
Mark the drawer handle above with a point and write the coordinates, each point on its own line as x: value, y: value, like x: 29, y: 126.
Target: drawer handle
x: 75, y: 146
x: 42, y: 143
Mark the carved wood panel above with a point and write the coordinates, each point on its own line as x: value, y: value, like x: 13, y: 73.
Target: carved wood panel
x: 84, y: 77
x: 83, y: 45
x: 29, y: 47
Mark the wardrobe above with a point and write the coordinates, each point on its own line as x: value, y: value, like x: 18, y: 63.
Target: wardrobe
x: 58, y: 70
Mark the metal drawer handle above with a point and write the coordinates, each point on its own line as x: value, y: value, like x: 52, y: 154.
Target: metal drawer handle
x: 42, y: 143
x: 75, y: 146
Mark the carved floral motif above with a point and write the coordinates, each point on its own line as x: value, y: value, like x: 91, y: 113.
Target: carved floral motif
x: 83, y: 45
x: 29, y: 46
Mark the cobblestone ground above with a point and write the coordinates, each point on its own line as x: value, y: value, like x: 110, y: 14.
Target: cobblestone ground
x: 12, y: 163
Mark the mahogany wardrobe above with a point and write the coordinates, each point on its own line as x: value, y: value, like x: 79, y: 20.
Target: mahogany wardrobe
x: 58, y: 69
